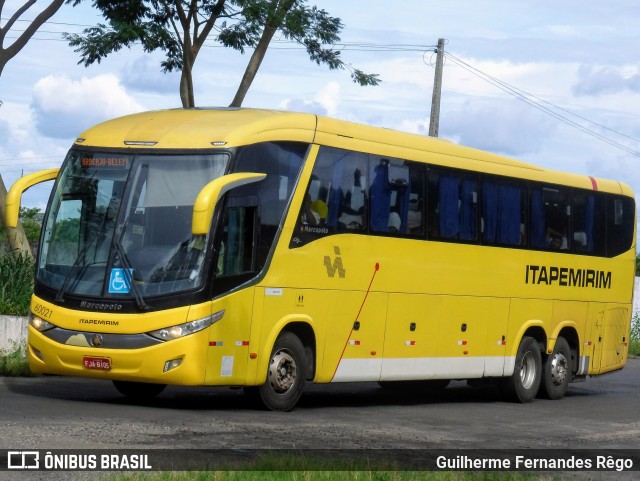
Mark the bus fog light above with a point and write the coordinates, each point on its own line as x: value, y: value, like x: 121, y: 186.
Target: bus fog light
x: 169, y: 365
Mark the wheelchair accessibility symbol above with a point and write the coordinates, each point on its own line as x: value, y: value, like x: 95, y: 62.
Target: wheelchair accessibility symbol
x: 118, y: 282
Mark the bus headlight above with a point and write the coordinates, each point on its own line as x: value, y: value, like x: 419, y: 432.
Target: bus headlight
x: 38, y: 323
x: 181, y: 330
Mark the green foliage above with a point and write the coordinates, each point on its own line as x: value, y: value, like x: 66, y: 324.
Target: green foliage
x: 245, y: 23
x: 309, y: 26
x: 634, y: 338
x: 14, y: 361
x: 16, y: 284
x: 329, y: 476
x: 30, y: 217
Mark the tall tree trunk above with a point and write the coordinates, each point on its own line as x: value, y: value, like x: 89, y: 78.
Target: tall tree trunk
x: 16, y: 237
x: 279, y: 9
x: 186, y: 89
x: 253, y: 66
x: 186, y: 79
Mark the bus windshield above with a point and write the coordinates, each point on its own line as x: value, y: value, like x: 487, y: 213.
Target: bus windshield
x: 119, y: 225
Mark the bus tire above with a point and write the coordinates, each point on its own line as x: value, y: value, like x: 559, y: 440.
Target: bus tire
x: 557, y: 371
x: 524, y: 383
x: 286, y: 374
x: 139, y: 390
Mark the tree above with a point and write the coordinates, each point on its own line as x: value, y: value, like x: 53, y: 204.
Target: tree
x: 307, y: 26
x: 17, y: 240
x: 180, y: 29
x: 12, y: 50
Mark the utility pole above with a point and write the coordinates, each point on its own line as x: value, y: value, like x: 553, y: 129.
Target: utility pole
x: 437, y: 89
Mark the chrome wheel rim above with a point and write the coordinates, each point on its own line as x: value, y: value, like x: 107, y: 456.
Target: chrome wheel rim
x: 559, y: 365
x: 528, y: 370
x: 282, y: 372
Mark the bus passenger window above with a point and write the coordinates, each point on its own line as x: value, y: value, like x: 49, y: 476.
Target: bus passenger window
x: 502, y: 212
x: 550, y: 214
x: 620, y: 224
x: 588, y: 223
x: 336, y: 199
x: 455, y: 197
x: 390, y: 193
x: 415, y: 214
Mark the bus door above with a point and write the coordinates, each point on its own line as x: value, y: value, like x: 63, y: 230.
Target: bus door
x: 609, y: 335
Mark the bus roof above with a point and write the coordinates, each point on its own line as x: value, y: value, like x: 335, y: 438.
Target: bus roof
x: 207, y: 128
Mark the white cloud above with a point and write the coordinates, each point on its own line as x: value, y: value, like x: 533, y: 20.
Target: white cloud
x: 64, y: 107
x: 4, y: 131
x: 145, y: 74
x: 504, y: 126
x: 326, y: 101
x: 601, y: 80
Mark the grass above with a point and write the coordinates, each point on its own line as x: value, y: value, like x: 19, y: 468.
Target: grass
x: 634, y: 338
x: 13, y: 362
x: 328, y: 476
x: 16, y: 284
x: 284, y: 467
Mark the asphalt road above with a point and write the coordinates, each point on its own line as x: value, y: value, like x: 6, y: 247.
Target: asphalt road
x: 58, y: 412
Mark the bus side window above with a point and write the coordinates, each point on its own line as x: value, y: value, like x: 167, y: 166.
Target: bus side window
x: 453, y: 206
x: 549, y: 218
x: 391, y: 193
x: 557, y: 211
x: 502, y: 212
x: 588, y: 223
x: 350, y: 174
x: 415, y: 215
x: 620, y: 224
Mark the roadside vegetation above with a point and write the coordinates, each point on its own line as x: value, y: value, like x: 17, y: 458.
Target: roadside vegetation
x: 16, y: 284
x: 13, y: 362
x: 634, y: 338
x: 330, y: 476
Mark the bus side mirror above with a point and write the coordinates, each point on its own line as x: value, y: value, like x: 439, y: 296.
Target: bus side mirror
x: 19, y: 186
x: 211, y: 193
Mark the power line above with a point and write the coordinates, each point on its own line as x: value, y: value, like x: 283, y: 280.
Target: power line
x: 553, y: 110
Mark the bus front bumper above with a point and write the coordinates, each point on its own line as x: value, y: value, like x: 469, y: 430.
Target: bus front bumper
x: 180, y: 361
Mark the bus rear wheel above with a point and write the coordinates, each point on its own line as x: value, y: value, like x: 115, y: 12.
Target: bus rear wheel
x: 557, y: 371
x: 524, y: 383
x: 138, y: 390
x: 285, y: 376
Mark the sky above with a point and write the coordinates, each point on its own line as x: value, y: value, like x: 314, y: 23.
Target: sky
x: 553, y: 83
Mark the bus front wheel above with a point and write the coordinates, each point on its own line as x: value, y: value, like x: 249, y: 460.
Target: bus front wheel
x: 524, y: 383
x: 557, y: 371
x: 285, y: 376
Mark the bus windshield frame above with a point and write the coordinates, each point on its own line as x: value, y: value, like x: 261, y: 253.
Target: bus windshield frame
x: 119, y: 224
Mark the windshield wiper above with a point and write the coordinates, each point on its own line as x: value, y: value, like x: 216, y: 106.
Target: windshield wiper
x: 72, y: 270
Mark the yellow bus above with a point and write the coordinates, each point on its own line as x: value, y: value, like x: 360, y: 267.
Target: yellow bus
x: 264, y: 249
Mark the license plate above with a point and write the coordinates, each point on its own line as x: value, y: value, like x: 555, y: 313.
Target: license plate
x: 99, y: 363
